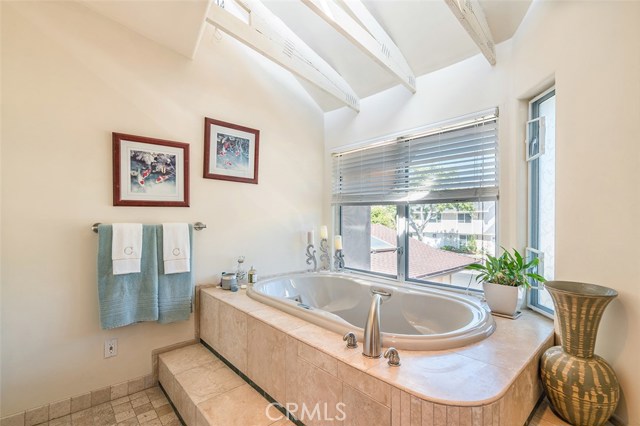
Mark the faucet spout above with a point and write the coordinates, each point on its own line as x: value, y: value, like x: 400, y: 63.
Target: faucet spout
x: 372, y: 347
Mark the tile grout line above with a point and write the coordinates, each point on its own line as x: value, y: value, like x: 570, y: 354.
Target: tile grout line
x: 251, y: 383
x: 81, y: 402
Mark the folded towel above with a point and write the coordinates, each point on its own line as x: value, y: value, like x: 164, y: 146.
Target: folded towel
x: 175, y: 291
x: 126, y: 248
x: 176, y: 248
x: 130, y: 298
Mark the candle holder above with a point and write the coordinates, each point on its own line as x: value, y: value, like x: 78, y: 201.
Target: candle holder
x: 324, y: 256
x: 338, y: 260
x: 311, y: 258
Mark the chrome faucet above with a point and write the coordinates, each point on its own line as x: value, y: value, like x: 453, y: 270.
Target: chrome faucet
x: 372, y: 346
x: 393, y: 356
x: 351, y: 339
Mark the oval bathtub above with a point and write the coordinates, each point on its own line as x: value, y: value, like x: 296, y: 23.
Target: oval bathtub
x: 411, y: 318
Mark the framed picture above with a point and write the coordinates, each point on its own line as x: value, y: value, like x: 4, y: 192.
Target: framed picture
x: 230, y: 151
x: 150, y: 172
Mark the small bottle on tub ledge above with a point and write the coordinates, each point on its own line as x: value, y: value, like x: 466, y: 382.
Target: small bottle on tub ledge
x: 252, y: 276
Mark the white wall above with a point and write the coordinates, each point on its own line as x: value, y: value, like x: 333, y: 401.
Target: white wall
x: 70, y: 78
x: 592, y: 50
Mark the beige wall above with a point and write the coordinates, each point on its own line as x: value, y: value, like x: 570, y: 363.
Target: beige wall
x: 592, y: 51
x: 70, y: 78
x: 1, y: 107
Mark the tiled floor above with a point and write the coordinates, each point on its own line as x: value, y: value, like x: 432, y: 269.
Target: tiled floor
x: 545, y: 417
x: 146, y: 408
x: 151, y: 408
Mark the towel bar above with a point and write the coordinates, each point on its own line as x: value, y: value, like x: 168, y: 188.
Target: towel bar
x: 198, y: 226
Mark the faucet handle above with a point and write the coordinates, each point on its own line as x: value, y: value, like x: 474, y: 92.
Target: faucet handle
x: 394, y: 357
x: 351, y: 339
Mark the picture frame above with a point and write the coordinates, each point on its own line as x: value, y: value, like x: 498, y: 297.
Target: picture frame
x: 231, y: 152
x: 150, y: 172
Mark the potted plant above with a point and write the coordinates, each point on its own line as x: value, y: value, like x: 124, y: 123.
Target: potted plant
x: 503, y: 278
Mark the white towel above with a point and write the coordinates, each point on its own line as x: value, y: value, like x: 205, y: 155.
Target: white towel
x: 176, y: 248
x: 126, y: 248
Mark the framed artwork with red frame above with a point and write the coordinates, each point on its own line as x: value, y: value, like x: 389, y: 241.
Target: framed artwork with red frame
x: 150, y: 172
x: 231, y: 151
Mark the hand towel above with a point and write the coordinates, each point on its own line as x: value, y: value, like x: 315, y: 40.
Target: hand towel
x: 175, y: 291
x: 129, y: 298
x: 126, y: 248
x: 176, y: 248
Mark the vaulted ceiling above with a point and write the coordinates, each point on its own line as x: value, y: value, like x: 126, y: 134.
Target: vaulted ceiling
x: 340, y: 50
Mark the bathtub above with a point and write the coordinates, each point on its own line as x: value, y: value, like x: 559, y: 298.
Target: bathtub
x: 412, y: 318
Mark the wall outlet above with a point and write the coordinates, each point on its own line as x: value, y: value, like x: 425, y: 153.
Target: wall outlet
x: 110, y: 348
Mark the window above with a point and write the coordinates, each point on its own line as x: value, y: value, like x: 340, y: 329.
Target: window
x: 464, y: 217
x: 440, y: 253
x: 420, y: 207
x: 370, y: 238
x: 541, y: 148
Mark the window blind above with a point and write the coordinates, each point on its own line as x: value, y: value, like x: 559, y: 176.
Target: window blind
x: 453, y: 162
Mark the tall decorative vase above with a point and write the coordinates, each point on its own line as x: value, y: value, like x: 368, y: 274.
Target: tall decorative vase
x: 582, y: 387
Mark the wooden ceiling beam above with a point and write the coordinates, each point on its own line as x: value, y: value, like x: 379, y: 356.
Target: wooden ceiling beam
x: 470, y: 14
x: 376, y: 44
x: 269, y: 36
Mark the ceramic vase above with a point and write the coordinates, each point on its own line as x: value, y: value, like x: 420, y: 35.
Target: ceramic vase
x: 582, y: 387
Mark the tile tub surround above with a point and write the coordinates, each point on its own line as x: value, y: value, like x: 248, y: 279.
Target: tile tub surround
x: 491, y: 382
x: 206, y: 392
x: 51, y: 413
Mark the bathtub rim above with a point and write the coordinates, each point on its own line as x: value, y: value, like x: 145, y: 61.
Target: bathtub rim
x: 483, y: 324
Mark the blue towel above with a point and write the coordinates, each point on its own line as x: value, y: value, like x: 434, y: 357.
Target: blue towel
x: 175, y: 291
x: 129, y: 298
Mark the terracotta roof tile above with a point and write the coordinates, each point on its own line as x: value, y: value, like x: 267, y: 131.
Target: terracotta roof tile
x: 424, y: 260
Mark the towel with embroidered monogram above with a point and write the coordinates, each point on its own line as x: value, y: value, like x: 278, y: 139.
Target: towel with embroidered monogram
x: 176, y: 248
x: 175, y: 291
x: 126, y: 248
x: 127, y: 298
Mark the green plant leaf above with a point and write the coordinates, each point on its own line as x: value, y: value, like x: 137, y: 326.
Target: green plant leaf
x: 507, y: 269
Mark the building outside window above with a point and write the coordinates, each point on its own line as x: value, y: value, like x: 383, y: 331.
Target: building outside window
x: 422, y: 208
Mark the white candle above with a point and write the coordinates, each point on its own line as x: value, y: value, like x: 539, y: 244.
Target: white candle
x: 337, y: 242
x: 324, y: 234
x: 310, y: 238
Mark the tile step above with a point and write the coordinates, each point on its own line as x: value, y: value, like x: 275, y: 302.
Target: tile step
x: 206, y: 392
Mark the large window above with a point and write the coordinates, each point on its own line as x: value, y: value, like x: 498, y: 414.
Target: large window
x: 541, y: 157
x: 421, y: 207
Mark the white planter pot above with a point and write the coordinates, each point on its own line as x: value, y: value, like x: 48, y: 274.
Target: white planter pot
x: 502, y: 299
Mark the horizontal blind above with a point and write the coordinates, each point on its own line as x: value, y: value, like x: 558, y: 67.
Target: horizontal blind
x: 451, y: 163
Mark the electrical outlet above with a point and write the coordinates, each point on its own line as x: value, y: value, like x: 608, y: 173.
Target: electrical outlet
x: 110, y: 348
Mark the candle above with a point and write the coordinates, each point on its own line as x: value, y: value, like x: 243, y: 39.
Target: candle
x: 310, y: 238
x: 337, y: 242
x: 324, y: 234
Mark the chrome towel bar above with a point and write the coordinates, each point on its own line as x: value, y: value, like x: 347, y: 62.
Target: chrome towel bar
x: 198, y: 226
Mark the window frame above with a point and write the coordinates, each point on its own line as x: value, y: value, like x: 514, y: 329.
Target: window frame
x: 464, y: 217
x: 402, y: 225
x: 533, y: 197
